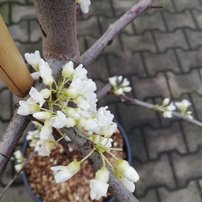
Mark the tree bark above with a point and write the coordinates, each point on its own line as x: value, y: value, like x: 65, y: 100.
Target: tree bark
x: 57, y: 20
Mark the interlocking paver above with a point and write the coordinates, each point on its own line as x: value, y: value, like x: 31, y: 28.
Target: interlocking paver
x: 193, y: 135
x: 184, y: 83
x: 161, y: 62
x: 20, y: 12
x: 189, y: 59
x: 187, y: 167
x: 162, y: 140
x: 154, y: 173
x: 131, y: 62
x: 35, y: 31
x: 194, y: 37
x: 167, y: 40
x: 149, y: 22
x: 142, y: 42
x: 177, y: 20
x: 151, y: 87
x: 186, y: 4
x: 188, y: 194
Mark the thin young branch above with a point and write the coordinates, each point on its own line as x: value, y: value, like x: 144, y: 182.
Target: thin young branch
x: 178, y: 115
x: 85, y: 146
x: 93, y: 52
x: 16, y: 175
x: 57, y: 20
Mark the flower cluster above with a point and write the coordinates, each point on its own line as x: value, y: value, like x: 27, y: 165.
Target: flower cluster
x: 169, y: 107
x: 20, y: 160
x: 72, y: 102
x: 84, y: 4
x: 120, y: 85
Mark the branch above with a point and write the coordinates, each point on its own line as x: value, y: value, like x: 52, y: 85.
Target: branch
x: 57, y: 20
x: 93, y: 52
x: 85, y: 146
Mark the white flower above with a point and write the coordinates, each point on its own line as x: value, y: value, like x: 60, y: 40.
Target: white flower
x: 84, y: 5
x: 27, y: 108
x: 127, y: 171
x: 60, y: 120
x: 46, y: 131
x: 166, y: 101
x: 105, y: 142
x: 19, y: 160
x: 99, y: 185
x: 63, y: 173
x: 128, y: 184
x: 45, y: 93
x: 36, y: 96
x: 45, y: 115
x: 68, y: 69
x: 33, y: 59
x: 46, y: 146
x: 168, y: 110
x: 45, y: 73
x: 120, y: 85
x: 70, y: 122
x: 183, y: 105
x: 35, y: 75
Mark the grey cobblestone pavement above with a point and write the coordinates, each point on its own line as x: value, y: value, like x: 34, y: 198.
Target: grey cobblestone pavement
x: 161, y: 54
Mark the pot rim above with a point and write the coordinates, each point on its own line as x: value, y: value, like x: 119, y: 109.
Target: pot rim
x: 39, y: 199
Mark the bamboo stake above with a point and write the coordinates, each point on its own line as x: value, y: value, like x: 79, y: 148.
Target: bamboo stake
x: 13, y: 70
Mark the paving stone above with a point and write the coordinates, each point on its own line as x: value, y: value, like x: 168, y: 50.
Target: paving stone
x: 164, y: 140
x: 100, y: 9
x: 29, y: 47
x: 138, y: 147
x: 20, y: 12
x: 186, y: 4
x: 149, y: 197
x: 154, y: 173
x: 35, y: 32
x: 150, y: 87
x: 142, y: 42
x: 95, y: 69
x: 174, y: 39
x: 193, y: 136
x: 134, y: 116
x: 16, y: 194
x: 198, y: 17
x: 85, y: 27
x: 161, y: 62
x: 194, y: 37
x: 4, y: 10
x: 184, y: 83
x: 131, y: 63
x: 188, y: 194
x: 177, y: 20
x: 5, y: 103
x: 149, y: 22
x: 167, y: 5
x: 187, y: 167
x: 197, y: 100
x: 19, y: 32
x: 121, y: 7
x: 190, y: 59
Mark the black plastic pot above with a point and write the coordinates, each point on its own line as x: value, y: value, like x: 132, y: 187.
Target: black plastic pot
x: 38, y: 199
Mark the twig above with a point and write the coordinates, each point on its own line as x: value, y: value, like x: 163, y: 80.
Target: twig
x: 94, y: 51
x: 16, y: 175
x: 178, y: 115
